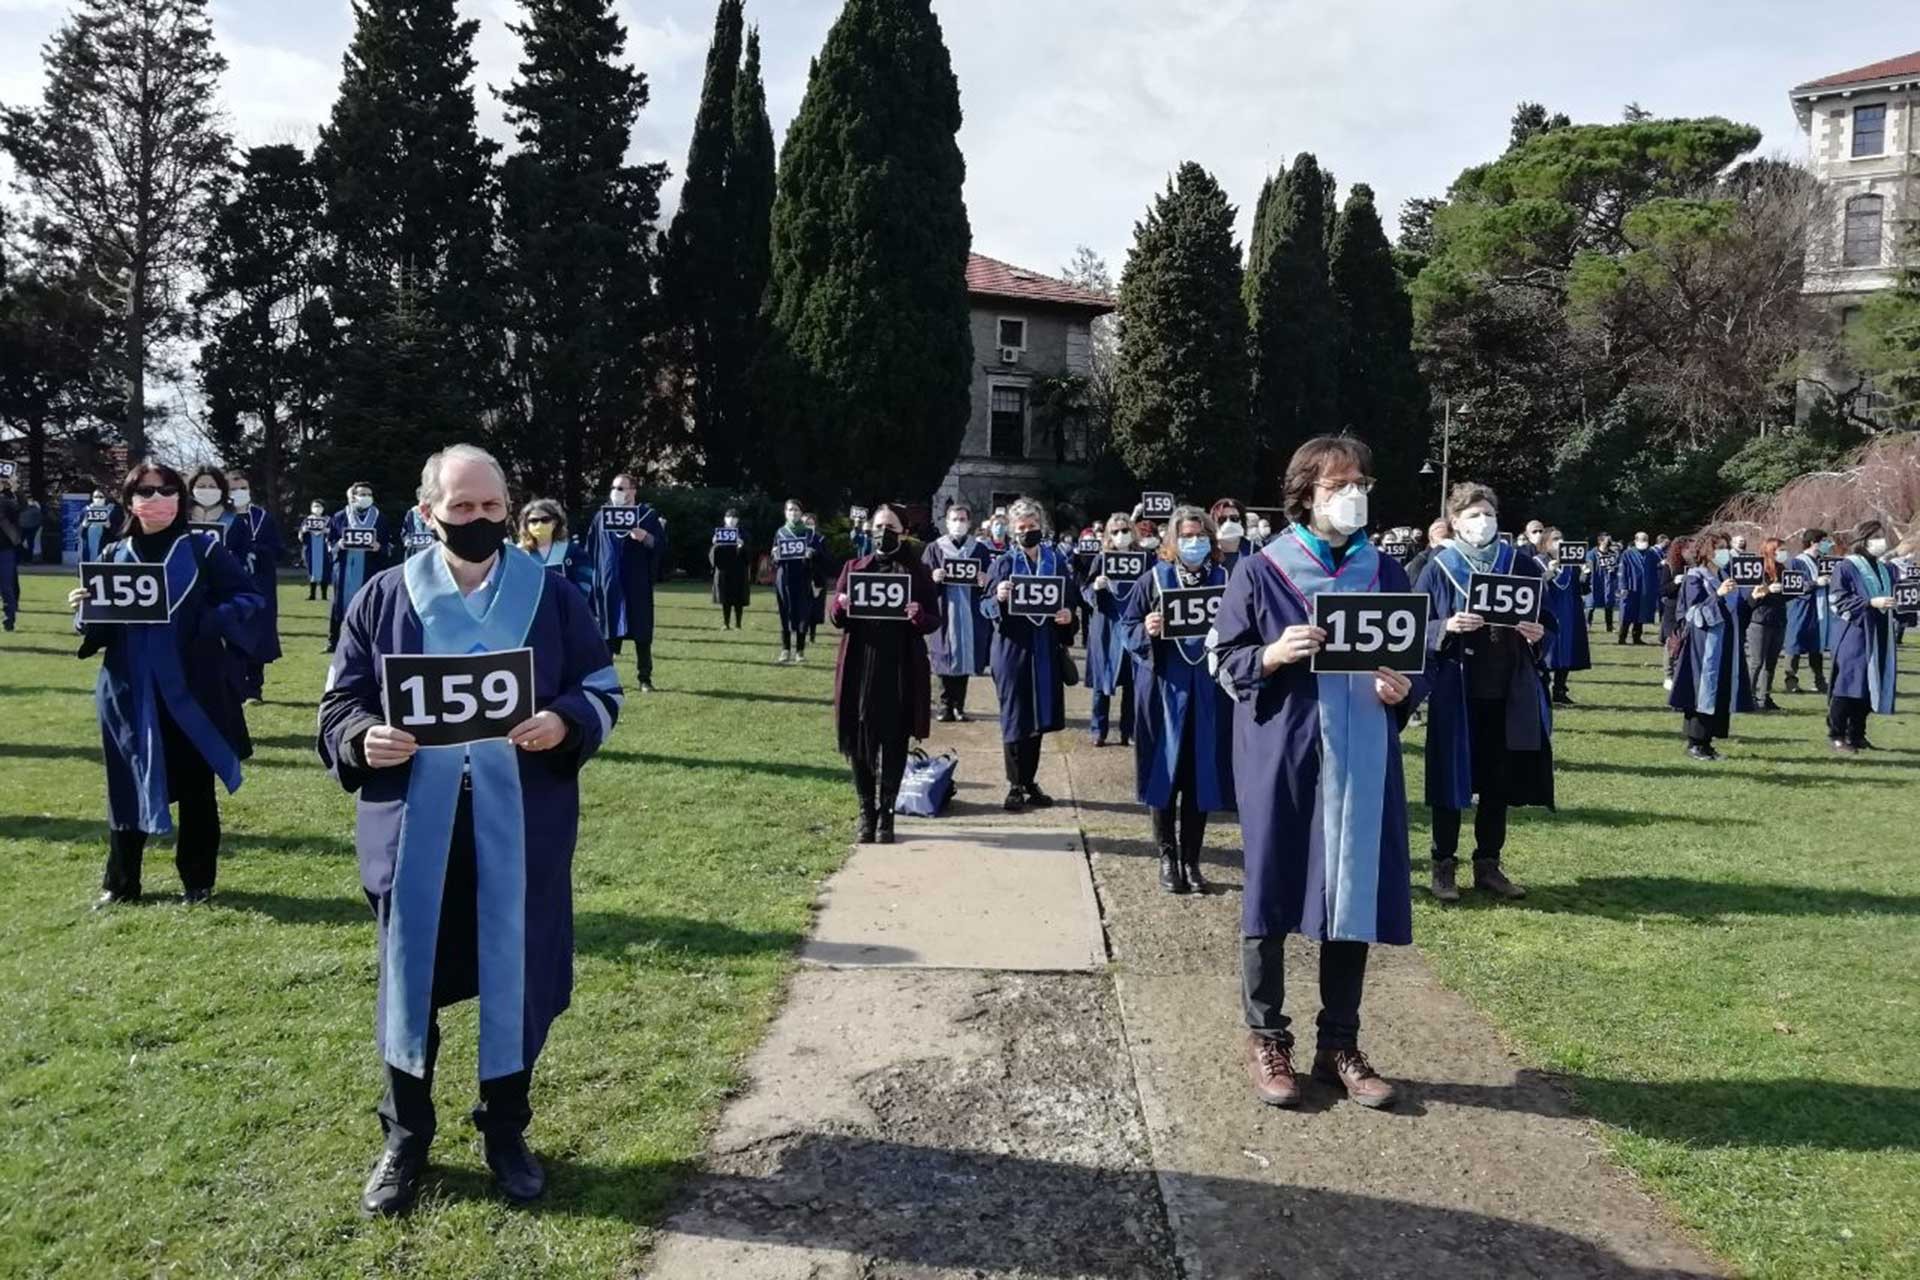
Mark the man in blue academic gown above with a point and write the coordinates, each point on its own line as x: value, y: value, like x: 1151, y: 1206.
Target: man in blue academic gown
x: 629, y: 556
x: 352, y: 567
x: 99, y: 525
x: 1638, y: 579
x: 466, y: 853
x: 960, y: 649
x: 263, y: 566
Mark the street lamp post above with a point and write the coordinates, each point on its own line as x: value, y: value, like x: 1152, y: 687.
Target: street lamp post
x: 1446, y: 455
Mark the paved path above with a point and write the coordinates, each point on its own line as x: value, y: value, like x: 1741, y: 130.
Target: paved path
x: 1008, y: 1054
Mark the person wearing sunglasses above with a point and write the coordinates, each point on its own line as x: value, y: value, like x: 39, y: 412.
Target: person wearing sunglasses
x: 352, y: 566
x: 170, y: 713
x: 543, y: 535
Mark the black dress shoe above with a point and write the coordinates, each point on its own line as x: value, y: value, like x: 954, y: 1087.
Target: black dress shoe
x: 863, y: 834
x: 393, y: 1185
x: 1698, y: 752
x: 646, y: 686
x: 960, y: 715
x: 516, y: 1170
x: 1196, y: 883
x: 114, y: 898
x: 1173, y: 877
x: 1038, y: 798
x: 1016, y: 799
x: 196, y: 897
x: 884, y: 833
x: 948, y: 716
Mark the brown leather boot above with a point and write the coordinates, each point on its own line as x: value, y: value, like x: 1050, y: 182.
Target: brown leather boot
x: 1350, y: 1070
x: 1270, y: 1065
x: 1487, y: 875
x: 1445, y: 886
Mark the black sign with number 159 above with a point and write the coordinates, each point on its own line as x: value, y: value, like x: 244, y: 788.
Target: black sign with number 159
x: 1187, y: 613
x: 449, y: 700
x: 1367, y: 630
x: 119, y: 592
x: 1504, y: 599
x: 878, y: 597
x: 1906, y: 595
x: 1036, y: 597
x: 1748, y: 571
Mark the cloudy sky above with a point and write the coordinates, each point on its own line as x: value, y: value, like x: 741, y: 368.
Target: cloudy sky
x: 1077, y: 110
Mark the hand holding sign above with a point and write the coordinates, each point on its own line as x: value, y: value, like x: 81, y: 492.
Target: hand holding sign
x: 1503, y: 599
x: 1747, y: 571
x: 878, y: 597
x: 450, y: 700
x: 115, y: 593
x: 962, y: 572
x: 1036, y: 596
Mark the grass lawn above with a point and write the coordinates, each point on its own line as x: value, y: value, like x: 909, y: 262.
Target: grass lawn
x: 1724, y: 962
x: 190, y: 1093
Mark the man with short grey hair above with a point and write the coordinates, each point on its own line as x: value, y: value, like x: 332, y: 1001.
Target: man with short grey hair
x: 466, y: 828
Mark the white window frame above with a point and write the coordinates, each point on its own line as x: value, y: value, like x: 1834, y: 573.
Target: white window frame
x: 1886, y: 130
x: 1025, y: 330
x: 1025, y: 388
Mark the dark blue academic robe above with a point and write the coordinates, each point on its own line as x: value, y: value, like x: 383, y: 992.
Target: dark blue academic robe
x: 796, y: 583
x: 179, y: 670
x: 1710, y: 671
x: 1028, y: 653
x: 963, y: 644
x: 1639, y: 577
x: 1809, y: 617
x: 574, y: 678
x: 1566, y: 647
x: 315, y: 555
x: 1108, y: 661
x: 625, y: 570
x: 1316, y: 758
x: 1863, y: 650
x: 237, y: 537
x: 1452, y: 771
x: 264, y: 568
x: 352, y: 569
x: 568, y: 559
x: 99, y: 524
x: 1600, y: 580
x: 1176, y: 684
x: 416, y: 534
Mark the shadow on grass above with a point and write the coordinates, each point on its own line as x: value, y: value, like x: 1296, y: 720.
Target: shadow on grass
x: 1729, y: 768
x: 620, y: 933
x: 94, y: 831
x: 47, y: 649
x: 287, y: 909
x: 1634, y: 898
x: 1674, y: 736
x: 1623, y: 818
x: 903, y: 1207
x: 811, y: 772
x: 1210, y: 855
x: 744, y: 695
x: 34, y: 690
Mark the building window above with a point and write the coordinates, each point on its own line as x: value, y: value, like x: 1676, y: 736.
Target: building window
x: 1862, y: 245
x: 1007, y: 436
x: 1013, y: 333
x: 1870, y: 130
x: 1000, y: 501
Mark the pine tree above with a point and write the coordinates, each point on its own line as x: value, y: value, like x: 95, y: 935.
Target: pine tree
x: 1180, y: 392
x: 1293, y: 324
x: 50, y: 338
x: 124, y: 153
x: 1382, y: 397
x: 866, y: 375
x: 409, y: 196
x: 701, y: 246
x: 260, y: 267
x: 577, y: 226
x: 750, y: 196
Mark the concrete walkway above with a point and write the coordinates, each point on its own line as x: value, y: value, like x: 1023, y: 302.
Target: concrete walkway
x: 1008, y: 1054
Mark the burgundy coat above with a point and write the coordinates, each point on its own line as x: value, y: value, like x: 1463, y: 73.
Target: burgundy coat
x: 923, y: 615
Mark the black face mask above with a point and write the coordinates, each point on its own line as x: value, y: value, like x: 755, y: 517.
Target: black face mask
x: 1030, y: 539
x: 888, y: 542
x: 476, y: 540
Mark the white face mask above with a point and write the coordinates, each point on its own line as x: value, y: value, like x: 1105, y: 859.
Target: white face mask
x: 1476, y: 529
x: 620, y: 497
x: 1150, y: 543
x: 1122, y: 540
x: 1876, y: 547
x: 242, y: 498
x: 732, y: 522
x: 957, y: 527
x: 793, y: 518
x: 1346, y: 511
x: 361, y: 501
x: 206, y: 496
x: 1639, y: 544
x: 1230, y: 534
x: 318, y: 510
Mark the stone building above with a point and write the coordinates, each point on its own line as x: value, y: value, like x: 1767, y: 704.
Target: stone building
x: 1028, y: 331
x: 1863, y: 143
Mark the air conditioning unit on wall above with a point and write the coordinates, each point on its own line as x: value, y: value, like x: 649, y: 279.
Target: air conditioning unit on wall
x: 1009, y: 355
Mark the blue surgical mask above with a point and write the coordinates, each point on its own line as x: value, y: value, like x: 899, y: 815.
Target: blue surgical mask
x: 1193, y: 552
x: 1780, y: 557
x: 1721, y: 557
x: 1826, y: 546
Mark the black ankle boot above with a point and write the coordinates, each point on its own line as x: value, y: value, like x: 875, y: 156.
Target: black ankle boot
x: 869, y: 822
x: 1173, y: 873
x: 1196, y: 883
x: 884, y: 832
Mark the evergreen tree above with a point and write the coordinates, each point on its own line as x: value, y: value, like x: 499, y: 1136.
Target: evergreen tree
x: 866, y: 376
x: 124, y: 154
x: 260, y: 269
x: 409, y: 188
x: 750, y: 196
x: 1530, y: 120
x: 1293, y: 323
x: 1382, y: 397
x: 1180, y: 391
x: 701, y: 247
x: 50, y: 339
x: 577, y: 226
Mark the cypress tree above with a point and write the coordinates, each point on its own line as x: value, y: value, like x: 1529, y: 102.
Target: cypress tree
x: 409, y: 196
x: 866, y: 375
x: 1382, y: 397
x: 701, y: 245
x: 1180, y: 391
x: 750, y: 195
x: 1293, y: 324
x: 577, y: 224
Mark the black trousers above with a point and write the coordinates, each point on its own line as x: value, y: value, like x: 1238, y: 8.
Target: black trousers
x: 1263, y: 990
x: 1763, y: 658
x: 1815, y: 660
x: 317, y: 590
x: 642, y: 658
x: 1192, y: 826
x: 1636, y: 627
x: 196, y: 839
x: 1560, y: 683
x: 793, y: 635
x: 406, y: 1111
x: 733, y: 615
x: 1847, y: 719
x: 1103, y: 707
x: 1022, y: 760
x: 953, y: 692
x: 1488, y: 729
x: 1607, y: 609
x: 876, y: 780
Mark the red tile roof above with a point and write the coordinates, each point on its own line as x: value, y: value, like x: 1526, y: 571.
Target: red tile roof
x: 1892, y: 68
x: 990, y: 278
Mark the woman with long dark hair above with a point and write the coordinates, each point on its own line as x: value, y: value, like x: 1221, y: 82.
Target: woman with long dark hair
x: 882, y: 682
x: 1864, y: 652
x: 170, y: 714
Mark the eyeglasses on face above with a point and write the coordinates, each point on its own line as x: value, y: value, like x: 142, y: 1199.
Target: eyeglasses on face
x: 156, y: 491
x: 539, y: 519
x: 1363, y: 483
